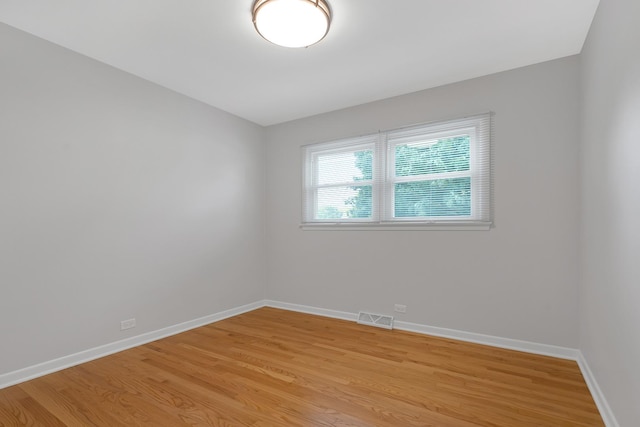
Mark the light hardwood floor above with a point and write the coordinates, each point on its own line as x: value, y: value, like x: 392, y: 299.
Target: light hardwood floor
x: 271, y: 368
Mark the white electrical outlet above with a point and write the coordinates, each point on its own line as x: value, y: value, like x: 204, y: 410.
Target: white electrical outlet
x: 127, y: 324
x: 400, y: 308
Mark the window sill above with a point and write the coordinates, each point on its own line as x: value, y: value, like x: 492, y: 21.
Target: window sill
x: 413, y: 226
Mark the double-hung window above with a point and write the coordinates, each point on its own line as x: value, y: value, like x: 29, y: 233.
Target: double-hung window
x: 432, y: 175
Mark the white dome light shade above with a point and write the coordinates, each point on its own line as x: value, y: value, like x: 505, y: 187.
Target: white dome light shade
x: 292, y: 23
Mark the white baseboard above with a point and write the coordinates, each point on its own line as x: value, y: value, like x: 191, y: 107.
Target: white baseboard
x: 601, y: 402
x: 64, y: 362
x: 493, y: 341
x: 344, y: 315
x: 507, y: 343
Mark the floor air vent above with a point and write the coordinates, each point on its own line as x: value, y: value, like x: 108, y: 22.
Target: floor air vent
x: 379, y: 320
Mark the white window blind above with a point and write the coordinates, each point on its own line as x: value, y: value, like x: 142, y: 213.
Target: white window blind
x: 341, y: 181
x: 432, y: 174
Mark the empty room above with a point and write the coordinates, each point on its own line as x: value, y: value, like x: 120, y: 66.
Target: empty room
x: 320, y: 213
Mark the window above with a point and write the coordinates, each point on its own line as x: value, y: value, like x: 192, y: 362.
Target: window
x: 431, y: 175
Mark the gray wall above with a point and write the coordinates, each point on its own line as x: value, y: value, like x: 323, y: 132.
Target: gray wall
x: 521, y: 278
x: 119, y: 199
x: 610, y: 206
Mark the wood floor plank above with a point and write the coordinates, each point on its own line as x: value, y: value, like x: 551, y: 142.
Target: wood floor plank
x: 276, y: 368
x: 15, y: 404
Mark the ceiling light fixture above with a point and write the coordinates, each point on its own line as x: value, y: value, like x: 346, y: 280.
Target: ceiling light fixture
x: 292, y: 23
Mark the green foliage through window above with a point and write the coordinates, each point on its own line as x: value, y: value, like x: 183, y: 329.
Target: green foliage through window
x: 435, y: 198
x: 362, y: 203
x: 444, y: 155
x: 423, y: 198
x: 425, y: 176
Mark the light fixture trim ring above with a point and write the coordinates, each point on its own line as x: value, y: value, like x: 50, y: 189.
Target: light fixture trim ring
x: 320, y: 5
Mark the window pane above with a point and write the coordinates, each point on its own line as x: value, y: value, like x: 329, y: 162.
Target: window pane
x: 344, y: 202
x: 433, y: 198
x: 336, y: 168
x: 434, y: 156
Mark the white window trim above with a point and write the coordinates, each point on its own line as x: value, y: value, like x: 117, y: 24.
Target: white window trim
x: 382, y: 226
x: 384, y: 180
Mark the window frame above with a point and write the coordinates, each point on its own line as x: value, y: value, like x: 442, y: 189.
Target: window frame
x: 383, y: 181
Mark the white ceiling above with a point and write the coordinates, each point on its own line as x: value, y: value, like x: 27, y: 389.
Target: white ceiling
x: 375, y: 49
